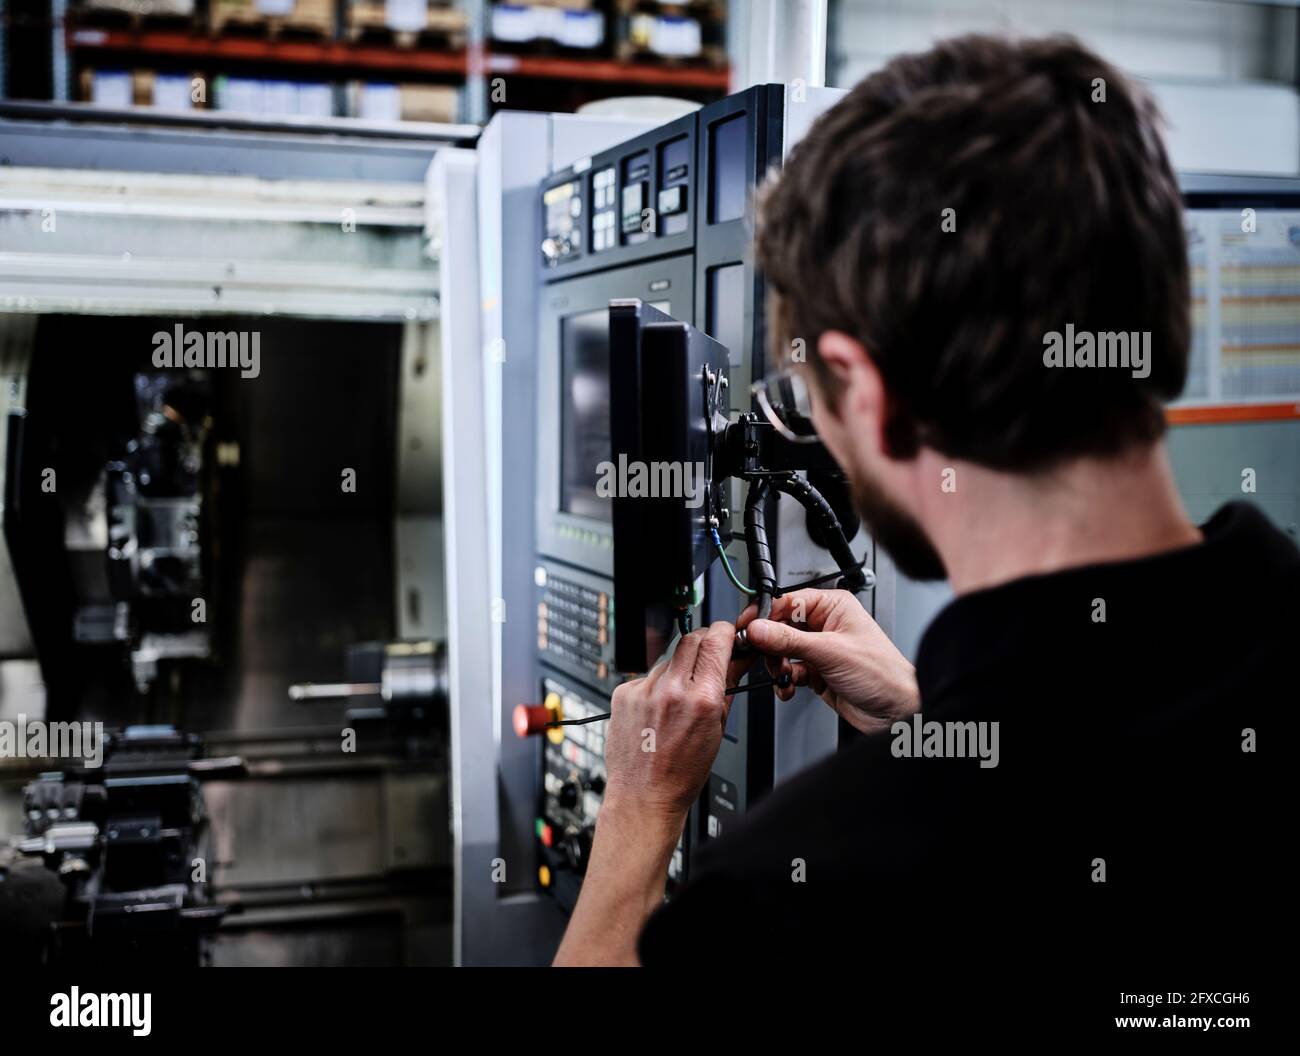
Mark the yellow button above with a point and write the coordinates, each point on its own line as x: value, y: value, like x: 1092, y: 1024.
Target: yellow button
x: 554, y: 734
x: 544, y: 876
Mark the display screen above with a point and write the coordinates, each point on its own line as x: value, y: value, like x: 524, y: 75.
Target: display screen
x: 728, y: 185
x: 726, y: 313
x: 584, y: 412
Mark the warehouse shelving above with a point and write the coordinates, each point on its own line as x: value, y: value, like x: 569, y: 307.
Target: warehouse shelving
x: 170, y: 44
x: 545, y: 77
x: 173, y: 44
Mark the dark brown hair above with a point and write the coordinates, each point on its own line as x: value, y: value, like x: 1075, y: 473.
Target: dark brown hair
x: 1066, y: 212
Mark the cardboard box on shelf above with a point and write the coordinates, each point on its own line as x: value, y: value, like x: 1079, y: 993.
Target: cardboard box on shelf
x: 134, y: 10
x: 568, y: 27
x: 430, y: 102
x: 671, y: 36
x: 386, y: 101
x: 175, y: 91
x: 107, y: 87
x: 361, y: 17
x: 273, y: 17
x: 140, y: 87
x: 248, y: 95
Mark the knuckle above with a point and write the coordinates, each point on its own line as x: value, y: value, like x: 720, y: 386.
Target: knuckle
x: 671, y: 693
x: 705, y: 705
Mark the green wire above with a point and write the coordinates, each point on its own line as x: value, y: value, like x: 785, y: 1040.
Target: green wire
x: 726, y: 567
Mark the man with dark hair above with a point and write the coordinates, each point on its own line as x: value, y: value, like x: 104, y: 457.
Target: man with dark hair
x: 982, y: 249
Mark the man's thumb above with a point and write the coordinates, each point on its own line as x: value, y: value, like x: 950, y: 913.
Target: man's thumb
x: 781, y: 639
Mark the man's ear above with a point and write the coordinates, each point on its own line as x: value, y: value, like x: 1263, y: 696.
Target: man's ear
x: 859, y: 389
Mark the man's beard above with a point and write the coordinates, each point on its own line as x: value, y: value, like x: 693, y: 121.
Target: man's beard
x: 897, y: 531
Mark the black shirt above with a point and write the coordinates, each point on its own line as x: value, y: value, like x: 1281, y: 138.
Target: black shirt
x: 1120, y: 741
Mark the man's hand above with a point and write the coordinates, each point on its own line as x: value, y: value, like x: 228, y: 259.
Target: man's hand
x: 664, y: 733
x: 665, y: 729
x: 825, y: 640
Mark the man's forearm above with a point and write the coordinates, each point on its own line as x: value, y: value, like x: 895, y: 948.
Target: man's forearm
x: 623, y: 885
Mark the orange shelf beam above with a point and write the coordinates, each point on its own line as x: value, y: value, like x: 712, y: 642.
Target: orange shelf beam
x: 1232, y: 412
x: 608, y: 70
x: 253, y: 49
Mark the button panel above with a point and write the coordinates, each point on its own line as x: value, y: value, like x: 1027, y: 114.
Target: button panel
x: 604, y: 209
x: 562, y: 212
x: 575, y: 625
x: 573, y: 788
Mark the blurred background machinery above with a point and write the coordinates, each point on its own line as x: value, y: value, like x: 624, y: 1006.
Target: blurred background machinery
x: 184, y: 545
x: 129, y: 843
x: 377, y: 60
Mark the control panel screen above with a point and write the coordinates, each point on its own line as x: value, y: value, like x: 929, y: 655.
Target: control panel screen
x: 726, y: 309
x: 728, y: 186
x: 671, y: 204
x: 584, y: 412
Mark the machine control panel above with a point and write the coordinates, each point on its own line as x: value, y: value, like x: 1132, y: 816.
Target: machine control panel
x: 624, y: 205
x: 573, y: 789
x: 573, y: 784
x: 575, y: 623
x: 562, y: 223
x: 662, y: 220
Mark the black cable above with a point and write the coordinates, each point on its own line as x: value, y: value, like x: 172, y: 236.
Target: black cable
x: 762, y: 572
x: 817, y: 580
x: 812, y: 500
x: 783, y: 681
x: 579, y: 722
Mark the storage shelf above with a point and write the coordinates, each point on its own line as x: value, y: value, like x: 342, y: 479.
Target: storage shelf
x: 254, y: 49
x: 611, y: 71
x: 174, y: 44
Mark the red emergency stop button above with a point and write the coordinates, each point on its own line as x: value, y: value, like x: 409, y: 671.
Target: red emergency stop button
x: 530, y: 719
x: 534, y: 718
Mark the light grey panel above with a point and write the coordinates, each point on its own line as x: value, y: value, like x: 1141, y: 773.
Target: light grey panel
x: 1209, y: 461
x: 204, y: 142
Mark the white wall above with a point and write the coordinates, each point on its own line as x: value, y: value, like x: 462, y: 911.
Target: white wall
x: 1221, y: 70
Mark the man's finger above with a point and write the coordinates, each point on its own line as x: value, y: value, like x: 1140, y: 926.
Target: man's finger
x: 812, y: 607
x: 737, y: 669
x: 815, y: 682
x: 653, y: 675
x: 714, y: 653
x: 784, y: 693
x: 682, y: 662
x: 781, y: 639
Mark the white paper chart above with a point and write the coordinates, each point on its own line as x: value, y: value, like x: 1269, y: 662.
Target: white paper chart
x: 1245, y: 306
